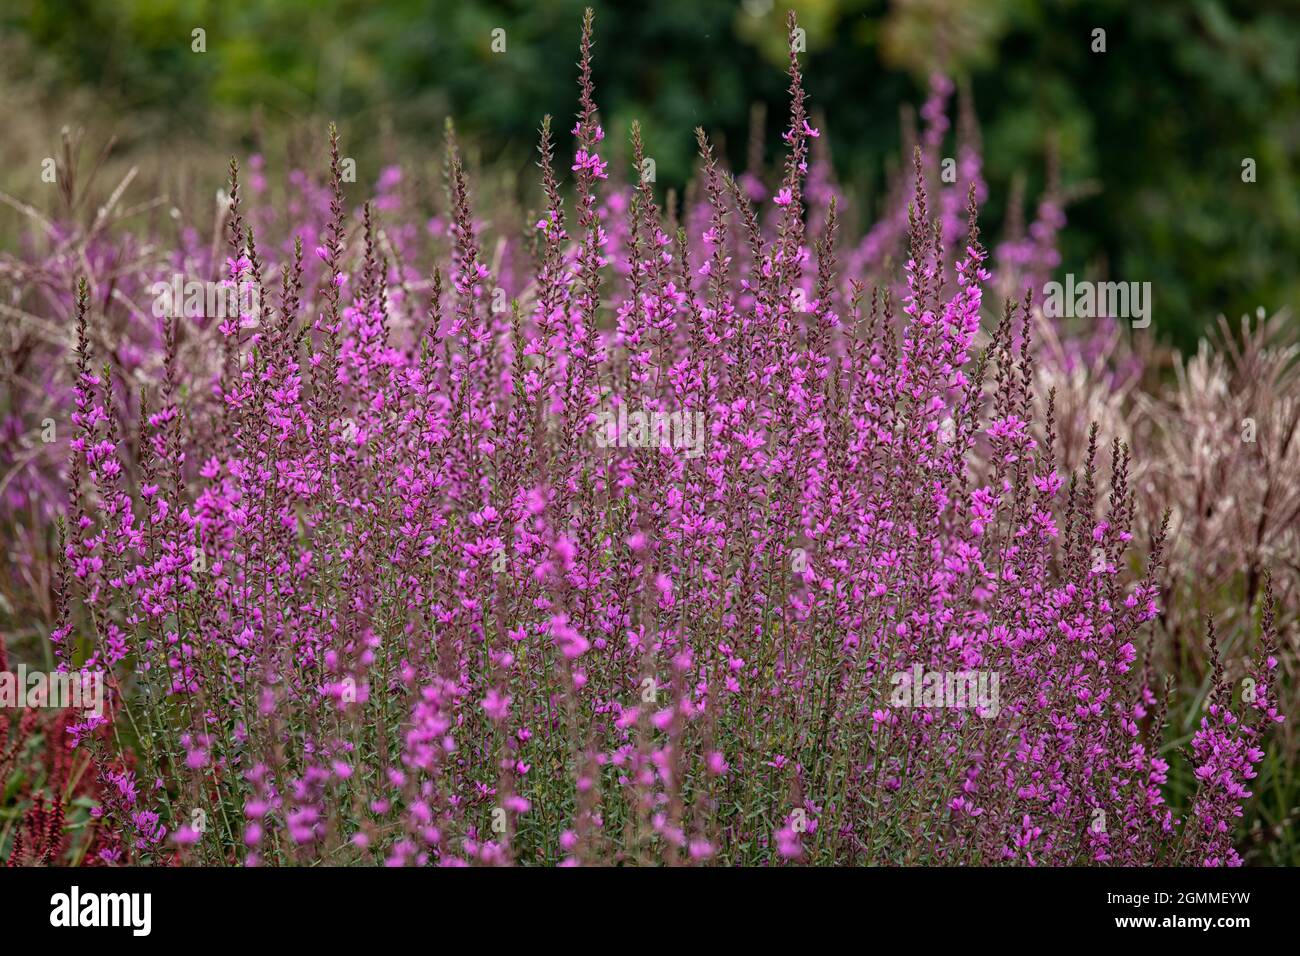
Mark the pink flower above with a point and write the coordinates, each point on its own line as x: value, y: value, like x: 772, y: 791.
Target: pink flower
x: 497, y: 705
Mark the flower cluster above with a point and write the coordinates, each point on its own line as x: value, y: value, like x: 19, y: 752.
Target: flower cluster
x: 371, y: 590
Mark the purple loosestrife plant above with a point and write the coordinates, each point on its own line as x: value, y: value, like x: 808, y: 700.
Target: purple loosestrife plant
x: 378, y: 585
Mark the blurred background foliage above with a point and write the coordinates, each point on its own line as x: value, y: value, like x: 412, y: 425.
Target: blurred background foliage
x: 1149, y: 136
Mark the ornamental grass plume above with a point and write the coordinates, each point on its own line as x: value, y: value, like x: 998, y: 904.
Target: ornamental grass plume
x: 421, y: 567
x: 1225, y: 447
